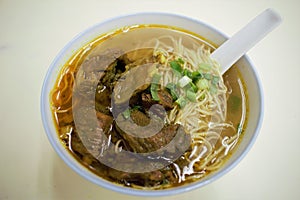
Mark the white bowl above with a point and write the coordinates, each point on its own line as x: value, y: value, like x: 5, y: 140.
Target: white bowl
x: 246, y: 68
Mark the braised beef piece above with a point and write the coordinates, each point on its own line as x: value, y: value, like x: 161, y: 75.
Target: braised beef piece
x: 94, y: 68
x: 102, y: 72
x: 144, y: 99
x: 155, y: 140
x: 165, y: 99
x: 143, y: 111
x: 147, y: 179
x: 105, y: 121
x: 139, y: 118
x: 180, y: 143
x: 147, y: 100
x: 103, y: 101
x: 92, y: 130
x: 106, y: 84
x: 100, y: 62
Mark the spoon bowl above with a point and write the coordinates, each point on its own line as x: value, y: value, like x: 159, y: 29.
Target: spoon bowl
x: 236, y: 46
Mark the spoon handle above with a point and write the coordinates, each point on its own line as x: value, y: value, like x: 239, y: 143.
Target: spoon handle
x: 236, y: 46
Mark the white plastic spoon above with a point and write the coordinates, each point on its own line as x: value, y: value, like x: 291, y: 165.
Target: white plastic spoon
x: 236, y: 46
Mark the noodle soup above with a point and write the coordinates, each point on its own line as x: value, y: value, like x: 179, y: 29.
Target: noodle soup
x: 146, y: 107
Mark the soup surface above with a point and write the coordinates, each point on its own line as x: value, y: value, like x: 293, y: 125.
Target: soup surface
x: 146, y: 107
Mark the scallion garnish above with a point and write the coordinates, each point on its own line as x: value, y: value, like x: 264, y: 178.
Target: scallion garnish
x: 126, y: 113
x: 191, y: 95
x: 181, y: 101
x: 136, y: 108
x: 213, y: 89
x: 189, y: 82
x: 156, y: 78
x: 173, y: 90
x: 154, y: 86
x: 180, y: 61
x: 154, y: 93
x: 202, y: 84
x: 196, y: 76
x: 176, y: 67
x: 215, y: 80
x: 193, y: 87
x: 204, y: 66
x: 188, y: 73
x: 185, y: 80
x: 208, y: 76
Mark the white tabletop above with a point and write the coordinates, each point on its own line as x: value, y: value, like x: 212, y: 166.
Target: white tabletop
x: 32, y: 32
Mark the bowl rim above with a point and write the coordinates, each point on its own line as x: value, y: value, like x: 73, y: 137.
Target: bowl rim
x: 79, y: 169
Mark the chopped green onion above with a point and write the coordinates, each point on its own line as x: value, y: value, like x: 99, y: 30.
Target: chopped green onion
x: 202, y: 84
x: 154, y: 93
x: 191, y: 95
x: 181, y: 101
x: 126, y: 113
x: 176, y: 67
x: 174, y: 94
x: 188, y: 73
x: 193, y: 87
x: 213, y: 89
x: 136, y: 108
x: 204, y: 66
x: 215, y: 80
x: 196, y: 75
x: 185, y: 80
x: 156, y: 78
x: 180, y: 61
x: 202, y: 97
x: 154, y: 86
x: 171, y: 86
x: 173, y: 90
x: 208, y: 76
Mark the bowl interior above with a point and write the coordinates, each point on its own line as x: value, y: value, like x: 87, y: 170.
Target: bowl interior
x: 246, y: 68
